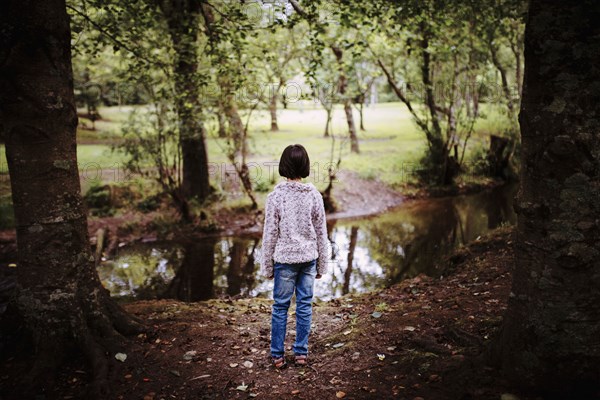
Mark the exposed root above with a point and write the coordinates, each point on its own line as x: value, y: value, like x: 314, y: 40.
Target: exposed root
x: 47, y: 359
x: 96, y: 356
x: 123, y: 322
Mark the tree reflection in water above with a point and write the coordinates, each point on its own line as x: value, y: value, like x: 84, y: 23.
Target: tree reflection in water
x: 194, y: 278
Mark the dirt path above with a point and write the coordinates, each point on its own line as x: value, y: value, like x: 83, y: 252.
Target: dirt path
x: 418, y: 339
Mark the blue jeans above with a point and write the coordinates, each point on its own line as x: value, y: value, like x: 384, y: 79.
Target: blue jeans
x: 289, y: 278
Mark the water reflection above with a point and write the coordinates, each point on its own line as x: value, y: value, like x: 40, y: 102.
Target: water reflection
x: 369, y: 253
x: 194, y: 278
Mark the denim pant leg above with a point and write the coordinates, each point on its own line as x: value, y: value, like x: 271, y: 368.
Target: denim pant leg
x: 304, y: 294
x: 283, y: 290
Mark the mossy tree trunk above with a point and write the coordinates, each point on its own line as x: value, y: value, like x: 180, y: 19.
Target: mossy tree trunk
x: 551, y: 336
x: 59, y: 293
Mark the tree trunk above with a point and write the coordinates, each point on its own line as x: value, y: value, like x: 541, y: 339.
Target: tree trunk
x: 222, y: 123
x: 351, y: 126
x: 498, y: 157
x: 273, y: 111
x: 183, y: 20
x: 60, y: 297
x: 328, y: 121
x: 342, y: 83
x: 240, y: 143
x: 550, y: 338
x: 361, y: 107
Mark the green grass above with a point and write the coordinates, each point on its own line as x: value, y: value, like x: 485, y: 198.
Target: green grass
x: 390, y: 148
x: 391, y: 144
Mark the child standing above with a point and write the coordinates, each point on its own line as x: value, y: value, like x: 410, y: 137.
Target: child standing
x: 294, y: 250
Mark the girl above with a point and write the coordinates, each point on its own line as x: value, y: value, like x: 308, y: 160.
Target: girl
x: 294, y: 250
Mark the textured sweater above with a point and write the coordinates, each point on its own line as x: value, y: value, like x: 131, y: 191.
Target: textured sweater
x: 295, y: 229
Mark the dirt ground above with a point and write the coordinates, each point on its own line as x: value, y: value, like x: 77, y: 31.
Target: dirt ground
x: 420, y: 339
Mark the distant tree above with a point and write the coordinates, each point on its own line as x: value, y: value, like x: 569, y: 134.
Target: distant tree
x: 60, y: 297
x: 183, y: 22
x: 338, y: 42
x: 227, y: 42
x: 550, y: 338
x: 274, y: 55
x: 160, y: 42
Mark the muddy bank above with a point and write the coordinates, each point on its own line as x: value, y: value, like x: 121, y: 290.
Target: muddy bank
x: 420, y: 338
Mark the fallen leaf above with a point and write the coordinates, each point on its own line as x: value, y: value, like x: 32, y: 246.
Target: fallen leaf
x: 189, y: 355
x: 242, y: 387
x: 200, y: 377
x: 248, y: 364
x: 346, y: 333
x: 381, y: 357
x: 12, y: 265
x: 295, y: 391
x: 391, y: 348
x: 340, y: 395
x: 233, y: 365
x: 376, y: 314
x: 121, y: 357
x: 337, y: 345
x: 409, y: 328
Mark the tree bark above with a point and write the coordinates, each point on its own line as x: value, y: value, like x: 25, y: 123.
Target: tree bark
x: 273, y: 111
x: 343, y: 82
x: 183, y: 20
x: 328, y: 121
x: 550, y: 338
x: 59, y: 294
x: 351, y: 125
x: 222, y: 122
x: 361, y: 114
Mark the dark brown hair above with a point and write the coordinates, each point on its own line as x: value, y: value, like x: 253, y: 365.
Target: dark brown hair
x: 294, y: 162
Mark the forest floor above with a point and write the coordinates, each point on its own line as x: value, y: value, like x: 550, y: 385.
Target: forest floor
x: 420, y: 339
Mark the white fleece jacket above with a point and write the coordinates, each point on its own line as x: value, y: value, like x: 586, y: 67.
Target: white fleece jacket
x: 295, y: 229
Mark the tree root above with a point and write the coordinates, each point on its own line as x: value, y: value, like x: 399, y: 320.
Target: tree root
x: 96, y: 357
x: 90, y: 323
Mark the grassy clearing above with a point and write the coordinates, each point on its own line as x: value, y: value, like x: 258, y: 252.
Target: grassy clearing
x: 390, y: 148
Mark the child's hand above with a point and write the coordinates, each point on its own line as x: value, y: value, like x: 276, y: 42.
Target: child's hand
x: 319, y: 276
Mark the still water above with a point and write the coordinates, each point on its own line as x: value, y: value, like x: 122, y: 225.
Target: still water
x: 369, y: 253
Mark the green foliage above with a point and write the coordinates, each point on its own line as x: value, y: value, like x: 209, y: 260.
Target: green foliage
x: 99, y: 200
x: 263, y: 186
x: 149, y: 203
x: 7, y: 215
